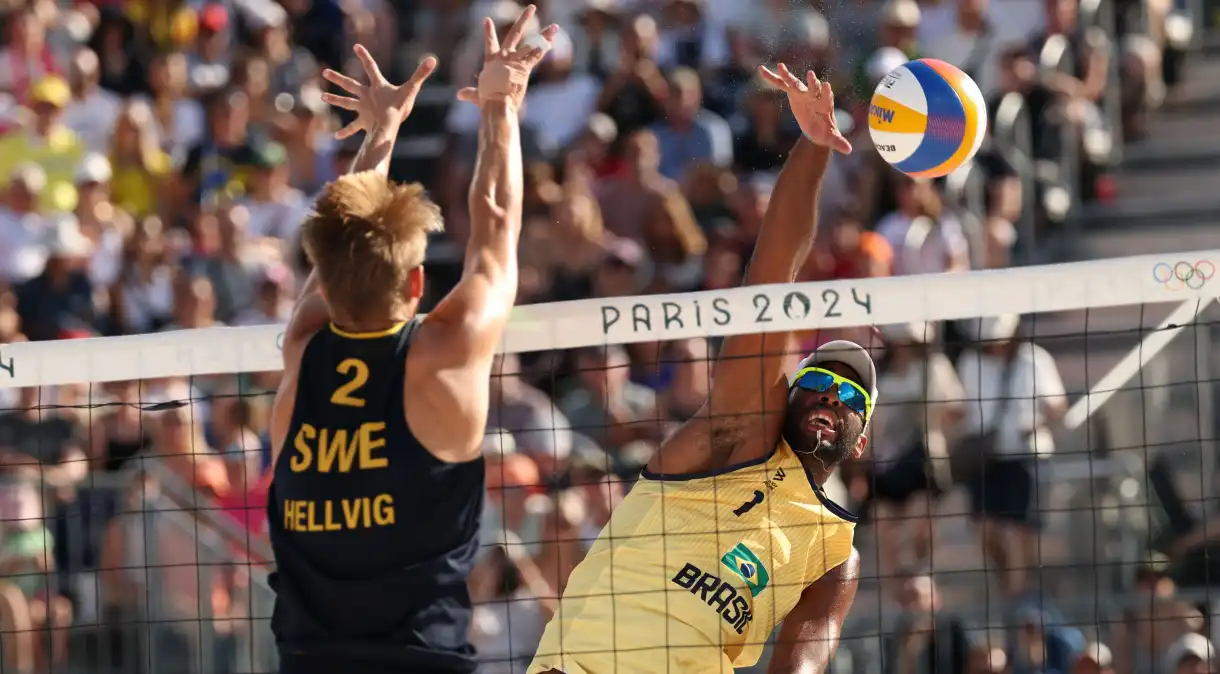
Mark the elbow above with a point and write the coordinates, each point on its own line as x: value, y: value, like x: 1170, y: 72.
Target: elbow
x: 486, y: 212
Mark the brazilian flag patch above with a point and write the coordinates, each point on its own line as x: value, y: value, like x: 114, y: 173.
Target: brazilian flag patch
x: 743, y: 562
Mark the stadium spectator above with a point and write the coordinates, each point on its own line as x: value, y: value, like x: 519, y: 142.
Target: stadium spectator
x: 515, y: 502
x: 628, y: 200
x: 36, y: 617
x: 141, y: 168
x: 689, y: 132
x: 1153, y: 621
x: 92, y: 111
x: 539, y: 429
x: 1043, y: 644
x: 1015, y: 393
x: 909, y: 443
x: 62, y: 296
x: 844, y: 249
x: 179, y: 120
x: 48, y: 143
x: 690, y: 377
x: 276, y: 209
x: 925, y: 238
x: 118, y: 435
x: 1190, y: 654
x: 27, y: 57
x: 1096, y: 659
x: 926, y: 638
x: 606, y: 405
x: 513, y: 603
x: 104, y: 226
x: 144, y: 297
x: 21, y: 225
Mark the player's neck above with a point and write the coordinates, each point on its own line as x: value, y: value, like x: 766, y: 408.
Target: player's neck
x: 388, y: 322
x: 817, y: 470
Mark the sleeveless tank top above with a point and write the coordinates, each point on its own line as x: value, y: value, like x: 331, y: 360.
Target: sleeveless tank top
x: 373, y: 536
x: 693, y: 572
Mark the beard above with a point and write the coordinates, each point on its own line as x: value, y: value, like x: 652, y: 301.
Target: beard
x: 829, y: 451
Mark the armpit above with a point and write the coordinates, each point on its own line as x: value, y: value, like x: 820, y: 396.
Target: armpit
x: 727, y: 434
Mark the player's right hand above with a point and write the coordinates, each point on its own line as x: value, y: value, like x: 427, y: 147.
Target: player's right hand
x: 507, y: 66
x: 378, y: 104
x: 813, y: 105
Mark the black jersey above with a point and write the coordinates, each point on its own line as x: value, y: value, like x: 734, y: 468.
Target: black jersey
x: 373, y: 536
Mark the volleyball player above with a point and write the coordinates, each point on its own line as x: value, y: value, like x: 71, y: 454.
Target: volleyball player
x: 378, y: 486
x: 728, y: 531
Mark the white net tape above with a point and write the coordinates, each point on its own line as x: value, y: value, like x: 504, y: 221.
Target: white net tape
x: 1148, y: 279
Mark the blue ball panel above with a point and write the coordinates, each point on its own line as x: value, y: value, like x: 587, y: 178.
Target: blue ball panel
x: 946, y: 121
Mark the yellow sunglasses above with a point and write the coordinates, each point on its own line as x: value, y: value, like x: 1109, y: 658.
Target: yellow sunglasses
x: 850, y: 393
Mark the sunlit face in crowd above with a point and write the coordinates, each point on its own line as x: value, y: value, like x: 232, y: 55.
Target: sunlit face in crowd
x: 819, y: 425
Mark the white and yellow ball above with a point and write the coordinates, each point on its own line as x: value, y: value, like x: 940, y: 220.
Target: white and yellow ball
x: 927, y: 118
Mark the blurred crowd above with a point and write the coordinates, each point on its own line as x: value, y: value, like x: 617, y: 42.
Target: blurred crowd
x: 158, y: 157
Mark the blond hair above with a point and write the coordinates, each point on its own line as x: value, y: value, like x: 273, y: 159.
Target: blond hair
x: 364, y: 237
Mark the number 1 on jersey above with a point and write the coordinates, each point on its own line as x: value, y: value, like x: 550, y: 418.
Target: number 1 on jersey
x: 359, y: 371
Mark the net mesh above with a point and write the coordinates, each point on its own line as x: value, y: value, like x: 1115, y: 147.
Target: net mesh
x: 132, y: 534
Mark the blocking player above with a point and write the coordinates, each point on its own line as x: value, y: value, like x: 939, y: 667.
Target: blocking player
x: 728, y: 531
x: 377, y: 493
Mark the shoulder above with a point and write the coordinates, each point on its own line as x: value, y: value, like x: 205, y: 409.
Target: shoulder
x: 1034, y: 355
x: 63, y: 139
x: 839, y: 579
x: 1041, y: 360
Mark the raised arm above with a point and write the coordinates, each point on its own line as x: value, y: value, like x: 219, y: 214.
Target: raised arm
x: 380, y: 109
x: 465, y: 327
x: 742, y: 416
x: 455, y: 346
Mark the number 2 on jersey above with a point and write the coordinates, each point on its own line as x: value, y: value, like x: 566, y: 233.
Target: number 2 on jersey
x: 359, y: 371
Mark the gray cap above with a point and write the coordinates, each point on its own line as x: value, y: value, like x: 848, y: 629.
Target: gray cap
x: 850, y: 354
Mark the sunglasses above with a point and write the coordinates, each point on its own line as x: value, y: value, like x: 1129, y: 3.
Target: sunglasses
x: 850, y: 393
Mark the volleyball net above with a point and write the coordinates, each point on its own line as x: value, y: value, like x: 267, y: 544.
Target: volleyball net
x: 139, y: 464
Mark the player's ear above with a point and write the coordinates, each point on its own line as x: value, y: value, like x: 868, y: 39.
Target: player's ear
x: 858, y: 451
x: 415, y: 283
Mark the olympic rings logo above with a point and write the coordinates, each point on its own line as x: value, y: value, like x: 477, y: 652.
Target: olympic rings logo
x: 1183, y: 274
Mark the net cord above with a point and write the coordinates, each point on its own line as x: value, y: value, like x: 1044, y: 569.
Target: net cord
x: 625, y: 320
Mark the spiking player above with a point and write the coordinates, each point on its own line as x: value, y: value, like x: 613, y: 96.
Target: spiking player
x: 728, y: 531
x: 375, y: 505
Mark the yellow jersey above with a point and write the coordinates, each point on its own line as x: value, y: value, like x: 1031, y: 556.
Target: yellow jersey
x: 59, y: 155
x: 692, y: 573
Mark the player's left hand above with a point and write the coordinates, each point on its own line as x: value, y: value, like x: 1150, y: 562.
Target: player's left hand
x: 378, y: 104
x: 813, y: 105
x: 507, y: 66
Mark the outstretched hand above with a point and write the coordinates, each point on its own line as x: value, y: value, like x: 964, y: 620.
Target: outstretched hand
x: 506, y: 67
x: 377, y: 104
x: 813, y: 105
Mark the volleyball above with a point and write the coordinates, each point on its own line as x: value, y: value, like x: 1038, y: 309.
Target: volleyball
x: 927, y: 118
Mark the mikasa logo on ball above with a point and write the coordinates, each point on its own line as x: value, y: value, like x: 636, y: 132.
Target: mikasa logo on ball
x: 882, y: 114
x: 927, y: 118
